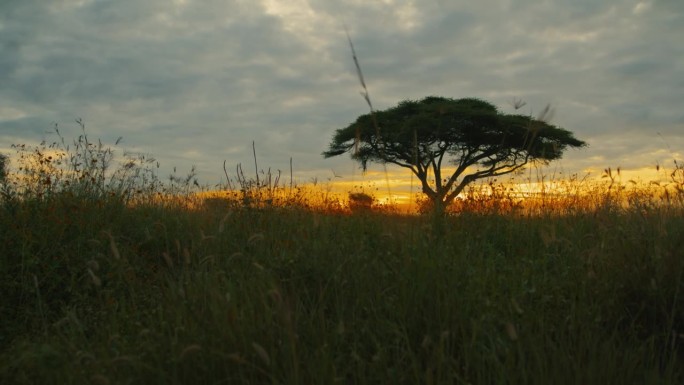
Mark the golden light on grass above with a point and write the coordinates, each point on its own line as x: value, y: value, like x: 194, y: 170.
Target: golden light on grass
x: 396, y: 191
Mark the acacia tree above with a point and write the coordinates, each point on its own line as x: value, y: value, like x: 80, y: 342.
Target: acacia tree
x: 471, y: 134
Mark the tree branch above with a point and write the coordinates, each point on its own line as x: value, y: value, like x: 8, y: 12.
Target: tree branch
x: 492, y: 171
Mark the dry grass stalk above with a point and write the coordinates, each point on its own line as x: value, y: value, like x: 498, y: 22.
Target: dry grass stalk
x: 94, y: 278
x: 516, y: 306
x: 167, y: 259
x: 222, y: 223
x: 112, y: 246
x: 205, y: 237
x: 258, y: 265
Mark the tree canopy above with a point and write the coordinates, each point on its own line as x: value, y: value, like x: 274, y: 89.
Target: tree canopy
x: 470, y: 134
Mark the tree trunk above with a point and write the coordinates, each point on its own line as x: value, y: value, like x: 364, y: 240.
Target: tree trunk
x: 439, y: 207
x: 438, y: 217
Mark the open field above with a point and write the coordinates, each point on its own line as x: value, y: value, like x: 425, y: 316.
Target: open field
x: 97, y: 290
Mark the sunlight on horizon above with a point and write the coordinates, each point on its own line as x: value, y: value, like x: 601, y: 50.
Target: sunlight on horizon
x: 389, y: 188
x: 398, y: 192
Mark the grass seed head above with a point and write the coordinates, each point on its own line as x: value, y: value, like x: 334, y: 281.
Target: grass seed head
x: 261, y: 352
x: 516, y: 306
x: 93, y: 242
x: 275, y: 296
x: 93, y: 265
x: 112, y: 245
x: 186, y: 256
x: 236, y: 255
x: 94, y: 278
x: 190, y: 349
x: 511, y: 331
x: 222, y: 223
x: 426, y: 343
x: 99, y: 379
x: 206, y: 237
x: 237, y: 358
x: 256, y: 238
x: 167, y: 259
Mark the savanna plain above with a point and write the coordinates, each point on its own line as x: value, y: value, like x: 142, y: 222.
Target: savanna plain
x: 111, y: 275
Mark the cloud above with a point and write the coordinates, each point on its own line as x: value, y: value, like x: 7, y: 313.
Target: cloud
x: 195, y: 82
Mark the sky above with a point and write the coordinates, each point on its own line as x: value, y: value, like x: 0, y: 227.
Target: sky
x: 194, y: 82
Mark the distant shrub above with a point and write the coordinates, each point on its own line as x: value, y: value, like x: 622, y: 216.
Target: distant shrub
x: 360, y: 201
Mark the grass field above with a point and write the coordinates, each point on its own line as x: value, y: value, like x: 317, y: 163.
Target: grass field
x: 106, y: 279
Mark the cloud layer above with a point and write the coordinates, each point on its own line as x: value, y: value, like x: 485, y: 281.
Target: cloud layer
x: 195, y: 82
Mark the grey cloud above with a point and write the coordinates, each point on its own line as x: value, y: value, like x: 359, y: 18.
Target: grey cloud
x: 31, y: 128
x: 186, y: 83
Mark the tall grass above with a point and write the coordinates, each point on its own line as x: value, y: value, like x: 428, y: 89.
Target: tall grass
x: 105, y: 279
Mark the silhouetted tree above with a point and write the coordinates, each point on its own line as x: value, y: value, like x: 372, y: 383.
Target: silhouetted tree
x: 471, y: 134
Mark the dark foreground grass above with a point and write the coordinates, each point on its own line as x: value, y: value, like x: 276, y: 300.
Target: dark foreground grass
x: 106, y: 293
